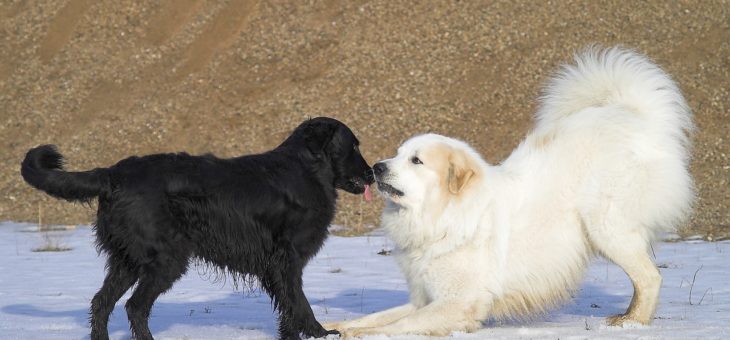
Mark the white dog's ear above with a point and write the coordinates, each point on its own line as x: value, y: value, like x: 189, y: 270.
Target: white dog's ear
x: 459, y: 172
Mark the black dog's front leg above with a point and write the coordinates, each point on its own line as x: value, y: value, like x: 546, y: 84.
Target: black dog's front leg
x: 283, y: 281
x: 302, y: 311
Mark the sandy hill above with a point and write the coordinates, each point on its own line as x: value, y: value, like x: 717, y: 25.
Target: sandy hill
x: 104, y: 80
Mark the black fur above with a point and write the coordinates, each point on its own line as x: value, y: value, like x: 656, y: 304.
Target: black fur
x: 259, y: 216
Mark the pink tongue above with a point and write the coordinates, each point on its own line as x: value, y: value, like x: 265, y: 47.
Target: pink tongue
x: 367, y: 193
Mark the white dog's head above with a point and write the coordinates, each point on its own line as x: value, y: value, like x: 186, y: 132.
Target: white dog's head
x: 428, y: 171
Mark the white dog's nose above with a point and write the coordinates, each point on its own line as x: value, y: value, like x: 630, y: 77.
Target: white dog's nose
x: 379, y: 168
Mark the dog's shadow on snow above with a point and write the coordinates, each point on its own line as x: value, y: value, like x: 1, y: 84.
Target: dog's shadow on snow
x: 593, y: 300
x: 244, y: 311
x: 364, y: 300
x: 253, y: 311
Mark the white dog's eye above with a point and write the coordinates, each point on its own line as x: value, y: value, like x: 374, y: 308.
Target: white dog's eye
x: 416, y: 160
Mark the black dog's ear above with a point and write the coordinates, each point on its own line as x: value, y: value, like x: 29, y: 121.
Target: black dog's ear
x: 317, y: 136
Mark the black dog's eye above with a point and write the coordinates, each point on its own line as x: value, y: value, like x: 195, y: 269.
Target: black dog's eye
x: 355, y: 148
x: 416, y: 160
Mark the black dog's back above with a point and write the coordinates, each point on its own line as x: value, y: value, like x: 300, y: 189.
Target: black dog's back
x: 261, y: 216
x: 215, y: 203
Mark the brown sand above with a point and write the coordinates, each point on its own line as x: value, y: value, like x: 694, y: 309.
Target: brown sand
x: 105, y: 80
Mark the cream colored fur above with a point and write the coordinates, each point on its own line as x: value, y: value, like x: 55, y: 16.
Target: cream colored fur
x: 602, y: 173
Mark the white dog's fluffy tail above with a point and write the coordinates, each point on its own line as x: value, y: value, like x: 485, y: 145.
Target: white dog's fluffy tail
x: 625, y: 82
x: 602, y: 77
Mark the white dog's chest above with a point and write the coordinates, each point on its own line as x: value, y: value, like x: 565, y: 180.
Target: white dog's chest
x: 442, y: 277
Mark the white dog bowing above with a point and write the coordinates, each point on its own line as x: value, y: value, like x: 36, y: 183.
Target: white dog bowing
x: 602, y: 173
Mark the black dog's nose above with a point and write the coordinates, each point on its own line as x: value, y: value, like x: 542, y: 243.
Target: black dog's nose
x: 379, y: 168
x: 369, y: 176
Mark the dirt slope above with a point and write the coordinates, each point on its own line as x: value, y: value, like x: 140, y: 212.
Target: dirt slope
x: 104, y: 80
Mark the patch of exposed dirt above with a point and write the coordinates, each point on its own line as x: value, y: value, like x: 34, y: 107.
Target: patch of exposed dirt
x: 105, y: 80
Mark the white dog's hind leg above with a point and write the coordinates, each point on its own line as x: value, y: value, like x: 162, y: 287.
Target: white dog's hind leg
x: 647, y: 281
x: 435, y: 319
x: 629, y: 251
x: 374, y: 320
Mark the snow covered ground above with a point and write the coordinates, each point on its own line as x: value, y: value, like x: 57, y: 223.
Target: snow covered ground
x: 45, y: 295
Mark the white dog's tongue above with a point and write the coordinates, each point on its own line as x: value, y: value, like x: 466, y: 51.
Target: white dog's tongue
x: 367, y: 193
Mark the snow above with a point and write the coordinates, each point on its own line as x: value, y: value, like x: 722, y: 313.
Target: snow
x: 45, y: 295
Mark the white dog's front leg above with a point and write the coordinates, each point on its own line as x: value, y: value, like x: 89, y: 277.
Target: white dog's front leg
x: 435, y: 319
x: 374, y: 320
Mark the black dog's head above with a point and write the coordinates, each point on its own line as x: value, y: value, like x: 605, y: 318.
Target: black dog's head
x: 330, y: 141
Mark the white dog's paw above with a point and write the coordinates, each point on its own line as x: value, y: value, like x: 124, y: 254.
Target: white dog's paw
x: 358, y: 332
x: 625, y: 319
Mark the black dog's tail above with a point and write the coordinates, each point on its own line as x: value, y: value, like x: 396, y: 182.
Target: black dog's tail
x: 43, y: 169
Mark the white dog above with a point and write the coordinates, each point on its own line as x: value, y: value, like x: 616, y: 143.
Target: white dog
x: 602, y: 173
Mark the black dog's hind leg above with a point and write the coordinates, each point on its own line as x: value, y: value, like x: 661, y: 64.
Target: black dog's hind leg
x: 283, y: 281
x: 155, y: 279
x: 118, y: 279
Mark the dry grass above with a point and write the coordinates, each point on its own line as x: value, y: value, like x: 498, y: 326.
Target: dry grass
x: 51, y: 243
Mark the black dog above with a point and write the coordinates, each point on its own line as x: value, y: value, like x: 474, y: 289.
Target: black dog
x: 258, y: 216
